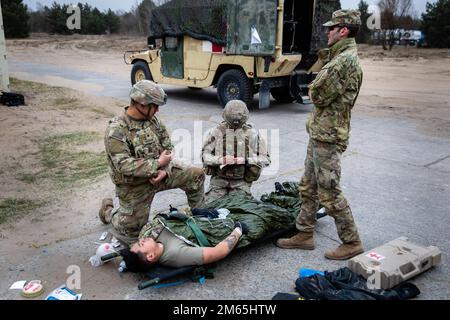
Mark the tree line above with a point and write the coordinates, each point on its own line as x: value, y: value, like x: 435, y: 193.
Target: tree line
x: 397, y: 15
x: 19, y: 21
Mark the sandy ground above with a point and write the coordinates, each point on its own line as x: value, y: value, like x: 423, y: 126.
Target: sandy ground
x: 405, y: 83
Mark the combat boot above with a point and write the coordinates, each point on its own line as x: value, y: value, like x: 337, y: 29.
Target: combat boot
x: 105, y: 210
x: 345, y: 251
x: 302, y: 240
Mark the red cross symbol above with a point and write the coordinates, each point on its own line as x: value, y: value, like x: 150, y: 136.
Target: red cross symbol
x: 375, y: 256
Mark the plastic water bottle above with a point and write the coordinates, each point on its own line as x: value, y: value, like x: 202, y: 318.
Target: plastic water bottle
x: 122, y: 267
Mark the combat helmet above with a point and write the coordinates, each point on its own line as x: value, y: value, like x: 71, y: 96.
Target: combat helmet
x: 235, y: 113
x: 147, y: 92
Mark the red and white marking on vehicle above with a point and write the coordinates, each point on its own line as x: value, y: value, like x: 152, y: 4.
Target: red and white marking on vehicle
x: 208, y: 46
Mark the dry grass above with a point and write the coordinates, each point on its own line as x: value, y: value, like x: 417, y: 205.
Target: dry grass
x: 12, y: 208
x: 62, y: 165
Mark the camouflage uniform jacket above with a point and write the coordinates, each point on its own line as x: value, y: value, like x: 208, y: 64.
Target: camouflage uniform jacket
x: 244, y: 142
x: 334, y: 92
x: 133, y: 148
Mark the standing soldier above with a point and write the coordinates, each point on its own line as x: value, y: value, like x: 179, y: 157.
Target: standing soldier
x: 333, y: 92
x: 139, y: 154
x: 233, y: 154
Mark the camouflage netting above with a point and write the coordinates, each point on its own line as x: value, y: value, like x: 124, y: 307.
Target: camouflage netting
x: 319, y: 38
x: 324, y: 9
x: 200, y: 19
x: 207, y: 20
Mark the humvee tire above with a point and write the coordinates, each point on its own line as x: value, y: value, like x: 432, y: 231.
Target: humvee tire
x: 140, y: 72
x: 282, y: 94
x: 234, y: 85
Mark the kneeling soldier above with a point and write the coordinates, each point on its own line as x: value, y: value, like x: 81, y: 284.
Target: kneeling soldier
x: 234, y: 154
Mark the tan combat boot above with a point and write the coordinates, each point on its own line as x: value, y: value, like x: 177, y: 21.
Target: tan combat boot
x: 302, y: 240
x: 345, y: 251
x: 105, y: 210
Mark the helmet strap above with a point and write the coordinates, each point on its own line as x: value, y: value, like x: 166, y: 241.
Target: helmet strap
x: 143, y: 114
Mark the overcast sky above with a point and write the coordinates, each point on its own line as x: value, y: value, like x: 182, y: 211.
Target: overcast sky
x: 419, y: 5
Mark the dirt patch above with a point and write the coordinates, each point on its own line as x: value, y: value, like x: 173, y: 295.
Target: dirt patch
x: 100, y: 54
x: 92, y: 43
x: 54, y: 170
x: 401, y: 53
x: 52, y: 144
x: 409, y: 83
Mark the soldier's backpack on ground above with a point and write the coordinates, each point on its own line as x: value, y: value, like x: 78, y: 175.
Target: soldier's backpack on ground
x: 12, y: 99
x: 344, y: 284
x: 394, y: 262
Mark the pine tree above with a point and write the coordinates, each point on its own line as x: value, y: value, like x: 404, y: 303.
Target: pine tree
x: 15, y: 19
x: 364, y: 32
x: 57, y: 19
x: 112, y: 22
x: 436, y: 24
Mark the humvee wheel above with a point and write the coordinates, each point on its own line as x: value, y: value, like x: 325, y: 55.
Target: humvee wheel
x: 140, y: 72
x: 234, y: 85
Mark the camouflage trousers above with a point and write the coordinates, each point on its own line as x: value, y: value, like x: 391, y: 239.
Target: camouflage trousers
x: 135, y: 201
x: 218, y: 187
x: 320, y: 185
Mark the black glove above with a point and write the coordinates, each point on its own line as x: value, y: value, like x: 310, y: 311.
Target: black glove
x: 210, y: 213
x: 278, y: 187
x: 243, y: 226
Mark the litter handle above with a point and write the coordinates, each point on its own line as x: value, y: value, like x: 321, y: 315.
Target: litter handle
x: 168, y: 275
x: 146, y: 284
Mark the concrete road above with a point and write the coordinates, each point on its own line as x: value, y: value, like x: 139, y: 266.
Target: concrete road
x: 396, y: 179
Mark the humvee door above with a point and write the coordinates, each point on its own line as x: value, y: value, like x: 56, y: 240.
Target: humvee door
x: 172, y: 64
x: 252, y: 27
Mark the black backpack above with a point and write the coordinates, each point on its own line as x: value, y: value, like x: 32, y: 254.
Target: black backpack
x: 12, y: 99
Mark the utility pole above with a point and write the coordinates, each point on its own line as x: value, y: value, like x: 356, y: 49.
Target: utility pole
x: 4, y: 75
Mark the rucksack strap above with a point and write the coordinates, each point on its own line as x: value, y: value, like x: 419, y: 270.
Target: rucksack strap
x: 201, y: 238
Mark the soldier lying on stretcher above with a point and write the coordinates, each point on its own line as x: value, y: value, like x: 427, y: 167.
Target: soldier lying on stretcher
x: 174, y: 239
x: 159, y: 244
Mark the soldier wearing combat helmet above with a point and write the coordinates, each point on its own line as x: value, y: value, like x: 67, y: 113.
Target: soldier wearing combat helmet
x: 233, y: 153
x: 333, y: 92
x: 139, y: 152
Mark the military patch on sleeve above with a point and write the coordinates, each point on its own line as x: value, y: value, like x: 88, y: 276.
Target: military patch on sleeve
x: 115, y: 131
x: 116, y: 146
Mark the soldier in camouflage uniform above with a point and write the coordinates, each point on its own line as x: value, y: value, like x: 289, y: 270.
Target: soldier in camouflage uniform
x: 139, y: 154
x: 333, y: 92
x: 233, y: 153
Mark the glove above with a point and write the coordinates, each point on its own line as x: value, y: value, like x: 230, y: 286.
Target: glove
x: 278, y: 187
x: 210, y: 213
x: 243, y: 226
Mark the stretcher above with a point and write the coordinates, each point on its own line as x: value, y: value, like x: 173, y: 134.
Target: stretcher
x: 160, y: 275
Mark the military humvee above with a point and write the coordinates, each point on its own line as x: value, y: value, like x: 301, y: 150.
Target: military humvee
x: 242, y: 47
